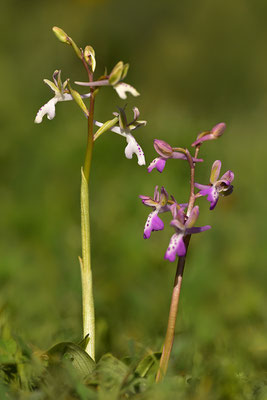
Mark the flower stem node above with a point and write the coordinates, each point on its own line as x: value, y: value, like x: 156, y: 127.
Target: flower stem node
x: 218, y: 187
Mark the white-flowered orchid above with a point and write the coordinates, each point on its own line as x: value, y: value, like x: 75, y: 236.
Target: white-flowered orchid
x: 124, y: 129
x: 114, y: 79
x: 61, y: 94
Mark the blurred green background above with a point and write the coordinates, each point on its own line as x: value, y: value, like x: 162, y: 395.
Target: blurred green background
x: 195, y: 63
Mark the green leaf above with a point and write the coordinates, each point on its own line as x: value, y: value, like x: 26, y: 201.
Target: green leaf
x: 148, y: 365
x: 105, y: 127
x: 84, y: 342
x: 79, y: 359
x: 77, y: 97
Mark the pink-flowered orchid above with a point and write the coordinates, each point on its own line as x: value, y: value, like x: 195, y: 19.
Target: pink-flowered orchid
x: 166, y: 151
x: 217, y: 186
x: 214, y: 133
x: 183, y: 226
x: 160, y: 205
x: 61, y: 94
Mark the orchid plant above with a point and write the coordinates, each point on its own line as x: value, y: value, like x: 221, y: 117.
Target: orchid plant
x: 118, y: 124
x: 183, y: 216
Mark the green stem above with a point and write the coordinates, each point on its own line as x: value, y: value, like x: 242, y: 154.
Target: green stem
x: 85, y: 262
x: 86, y: 272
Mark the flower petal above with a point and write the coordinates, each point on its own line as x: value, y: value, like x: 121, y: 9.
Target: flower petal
x: 176, y: 246
x: 197, y: 229
x: 122, y: 88
x: 215, y: 171
x: 202, y: 187
x: 228, y: 176
x: 147, y: 201
x: 133, y: 147
x: 177, y: 224
x: 49, y: 109
x: 158, y: 163
x: 192, y: 217
x: 213, y: 197
x: 202, y: 139
x: 153, y: 223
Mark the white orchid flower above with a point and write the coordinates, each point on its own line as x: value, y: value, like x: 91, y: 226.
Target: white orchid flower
x: 125, y: 130
x: 61, y: 94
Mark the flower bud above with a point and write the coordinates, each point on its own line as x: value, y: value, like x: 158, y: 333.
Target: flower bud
x: 163, y: 148
x: 60, y: 34
x: 218, y: 129
x: 125, y: 71
x: 116, y: 73
x: 63, y: 37
x: 89, y: 55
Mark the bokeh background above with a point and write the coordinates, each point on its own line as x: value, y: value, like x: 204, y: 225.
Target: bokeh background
x: 195, y: 63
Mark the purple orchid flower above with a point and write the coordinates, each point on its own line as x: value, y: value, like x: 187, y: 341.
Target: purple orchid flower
x: 217, y: 186
x: 160, y: 205
x: 184, y: 226
x: 215, y: 132
x: 166, y: 151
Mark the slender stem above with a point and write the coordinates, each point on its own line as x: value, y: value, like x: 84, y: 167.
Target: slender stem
x: 86, y: 271
x: 167, y: 346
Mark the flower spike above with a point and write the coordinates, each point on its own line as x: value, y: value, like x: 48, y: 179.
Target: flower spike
x: 217, y: 186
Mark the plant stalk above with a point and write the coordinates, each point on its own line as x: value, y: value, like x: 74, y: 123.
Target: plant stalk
x: 167, y: 346
x: 88, y: 310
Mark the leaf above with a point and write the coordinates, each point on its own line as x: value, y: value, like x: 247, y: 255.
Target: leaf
x: 148, y: 365
x: 79, y: 359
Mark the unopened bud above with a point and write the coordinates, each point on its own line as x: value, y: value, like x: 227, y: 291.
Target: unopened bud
x: 89, y: 55
x: 163, y: 148
x: 116, y: 73
x: 60, y: 34
x: 218, y: 129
